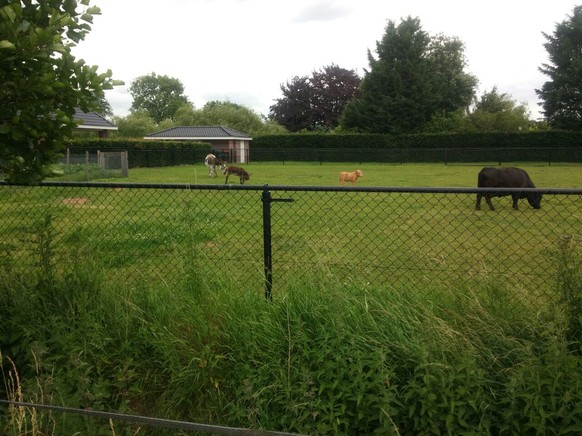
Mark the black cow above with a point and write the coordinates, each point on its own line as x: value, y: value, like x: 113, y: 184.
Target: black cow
x: 507, y: 178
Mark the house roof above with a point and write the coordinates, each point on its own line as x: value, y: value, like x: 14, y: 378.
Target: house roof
x: 93, y: 121
x: 199, y: 133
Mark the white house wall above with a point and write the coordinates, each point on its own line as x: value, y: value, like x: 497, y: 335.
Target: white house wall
x: 240, y: 150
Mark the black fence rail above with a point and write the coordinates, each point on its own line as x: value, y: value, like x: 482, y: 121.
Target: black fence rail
x: 179, y: 426
x: 264, y: 238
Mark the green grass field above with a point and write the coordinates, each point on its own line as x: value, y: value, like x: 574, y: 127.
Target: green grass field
x: 398, y: 239
x: 405, y: 175
x: 416, y: 240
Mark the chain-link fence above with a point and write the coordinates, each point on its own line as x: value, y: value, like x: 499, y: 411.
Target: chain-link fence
x: 91, y: 165
x: 254, y: 237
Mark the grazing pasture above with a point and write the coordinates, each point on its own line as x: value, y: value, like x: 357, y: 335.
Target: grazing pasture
x: 377, y: 174
x: 394, y: 238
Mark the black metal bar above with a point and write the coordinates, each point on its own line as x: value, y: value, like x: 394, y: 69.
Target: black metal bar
x: 268, y: 259
x: 550, y: 157
x: 295, y: 188
x: 154, y: 422
x: 267, y: 245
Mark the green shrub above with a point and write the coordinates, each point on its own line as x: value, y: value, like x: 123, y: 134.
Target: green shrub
x: 544, y: 394
x: 548, y: 139
x: 569, y: 287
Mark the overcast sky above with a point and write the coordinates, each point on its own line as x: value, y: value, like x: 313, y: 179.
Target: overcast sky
x: 243, y: 50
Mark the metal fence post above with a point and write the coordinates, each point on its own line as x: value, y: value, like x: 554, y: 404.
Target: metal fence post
x: 268, y: 260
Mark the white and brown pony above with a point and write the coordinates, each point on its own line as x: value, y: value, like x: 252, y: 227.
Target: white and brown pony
x: 211, y: 161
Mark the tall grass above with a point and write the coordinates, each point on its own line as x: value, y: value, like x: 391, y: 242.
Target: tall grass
x: 326, y: 356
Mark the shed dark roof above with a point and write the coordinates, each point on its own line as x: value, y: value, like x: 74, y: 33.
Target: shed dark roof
x: 198, y: 132
x: 92, y: 120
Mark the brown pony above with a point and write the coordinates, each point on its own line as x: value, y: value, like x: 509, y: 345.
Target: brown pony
x: 240, y: 172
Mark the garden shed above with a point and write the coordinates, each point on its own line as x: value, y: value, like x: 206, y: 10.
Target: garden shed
x: 228, y: 144
x: 92, y: 121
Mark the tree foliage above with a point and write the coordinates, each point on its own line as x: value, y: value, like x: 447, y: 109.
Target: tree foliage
x: 316, y: 102
x: 496, y: 112
x: 42, y: 83
x: 104, y: 107
x: 136, y: 125
x: 333, y: 88
x: 562, y: 94
x: 413, y: 77
x: 293, y: 110
x: 454, y: 89
x: 160, y: 96
x: 228, y: 114
x: 492, y: 112
x: 215, y: 113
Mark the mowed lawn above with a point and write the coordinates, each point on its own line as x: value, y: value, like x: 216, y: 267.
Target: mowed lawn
x: 375, y: 174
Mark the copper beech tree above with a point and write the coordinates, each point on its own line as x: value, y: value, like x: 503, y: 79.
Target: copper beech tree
x: 315, y: 103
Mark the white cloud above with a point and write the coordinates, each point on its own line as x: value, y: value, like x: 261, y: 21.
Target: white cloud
x: 322, y: 11
x: 244, y: 49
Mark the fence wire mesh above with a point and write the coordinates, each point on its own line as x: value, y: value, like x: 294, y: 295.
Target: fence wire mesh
x: 409, y: 239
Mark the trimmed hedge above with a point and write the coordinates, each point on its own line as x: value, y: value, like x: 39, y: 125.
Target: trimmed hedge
x: 441, y: 140
x: 547, y: 146
x: 498, y: 155
x: 550, y: 146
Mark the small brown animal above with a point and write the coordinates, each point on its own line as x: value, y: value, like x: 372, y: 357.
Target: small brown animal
x: 350, y: 177
x: 240, y: 172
